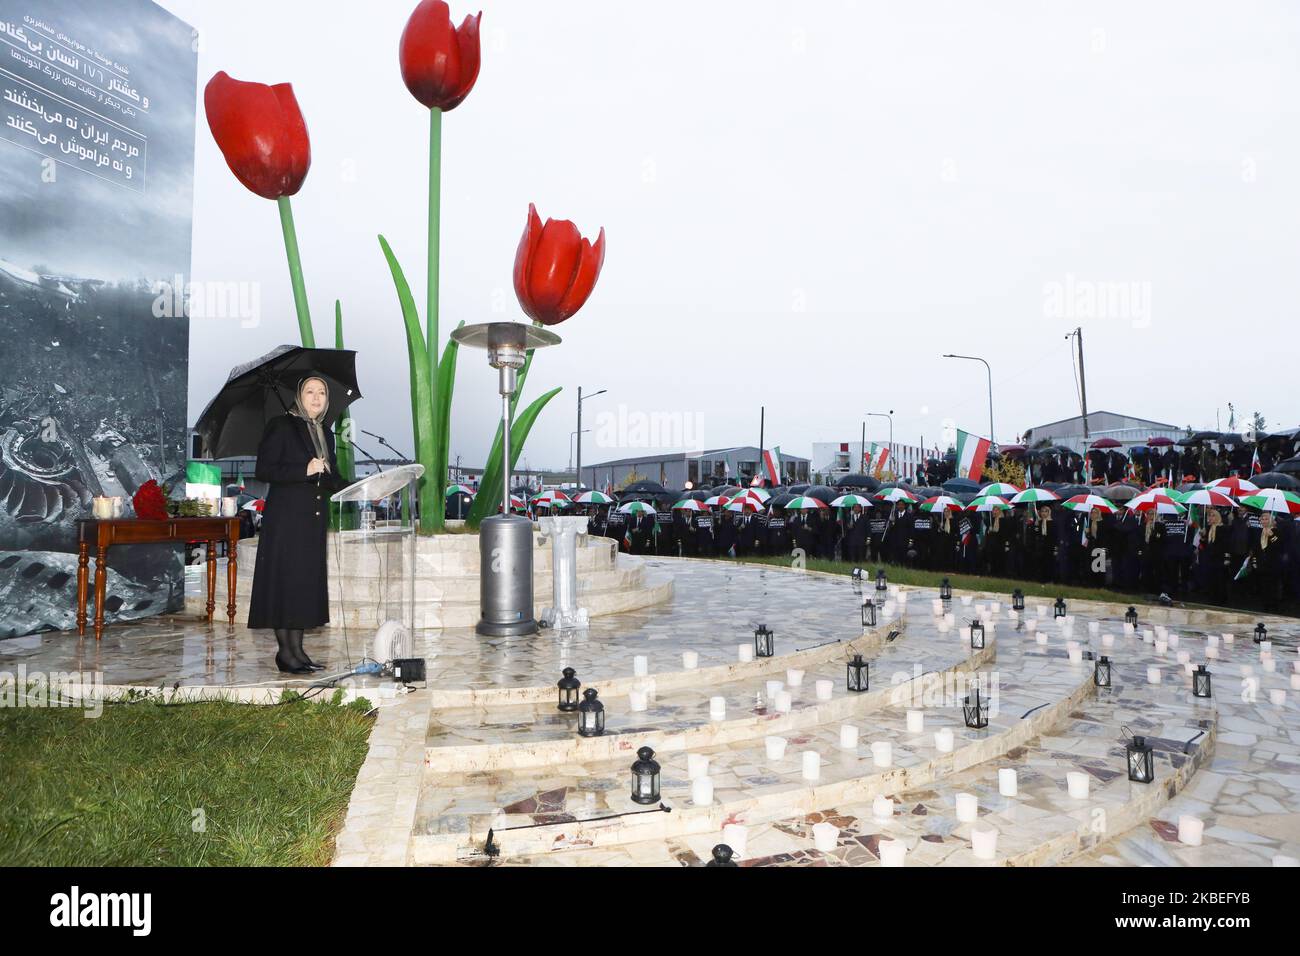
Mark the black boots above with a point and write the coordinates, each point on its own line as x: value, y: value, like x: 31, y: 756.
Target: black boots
x: 295, y: 641
x: 286, y: 658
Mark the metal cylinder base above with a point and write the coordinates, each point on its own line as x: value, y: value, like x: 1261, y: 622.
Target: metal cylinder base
x: 506, y: 577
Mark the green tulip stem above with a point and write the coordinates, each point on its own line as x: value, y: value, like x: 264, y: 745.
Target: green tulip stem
x: 438, y: 481
x: 295, y: 273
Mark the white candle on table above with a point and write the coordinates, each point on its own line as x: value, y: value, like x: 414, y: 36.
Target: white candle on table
x: 702, y: 791
x: 1212, y: 640
x: 775, y: 747
x: 640, y: 665
x: 697, y: 765
x: 882, y: 808
x: 1229, y: 638
x: 892, y: 852
x: 1212, y: 653
x: 1153, y: 675
x: 690, y: 660
x: 1295, y: 681
x: 1108, y: 640
x: 736, y: 836
x: 882, y: 753
x: 784, y: 701
x: 1076, y: 655
x: 1031, y: 626
x: 1190, y: 829
x: 812, y: 765
x: 637, y: 700
x: 848, y: 737
x: 744, y: 653
x: 1283, y: 860
x: 996, y: 607
x: 1076, y: 782
x: 825, y: 689
x: 717, y: 708
x: 774, y: 687
x: 1007, y: 782
x: 915, y: 721
x: 984, y: 842
x: 825, y: 836
x: 1173, y: 639
x: 936, y: 607
x: 794, y: 678
x: 943, y: 740
x: 968, y: 807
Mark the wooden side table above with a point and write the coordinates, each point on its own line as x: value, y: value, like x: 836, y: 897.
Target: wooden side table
x: 103, y: 533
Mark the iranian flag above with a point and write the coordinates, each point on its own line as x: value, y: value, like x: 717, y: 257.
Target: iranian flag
x: 882, y: 456
x: 772, y: 465
x: 868, y: 456
x: 1255, y: 469
x: 971, y: 452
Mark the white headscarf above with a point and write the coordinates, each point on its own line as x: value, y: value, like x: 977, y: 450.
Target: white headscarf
x: 314, y: 425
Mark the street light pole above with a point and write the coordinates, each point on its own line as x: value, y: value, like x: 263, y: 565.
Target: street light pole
x: 975, y: 358
x: 578, y: 473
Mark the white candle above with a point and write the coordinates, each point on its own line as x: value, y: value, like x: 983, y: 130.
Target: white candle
x: 1190, y: 829
x: 744, y: 653
x: 1212, y: 653
x: 1076, y: 782
x: 825, y: 836
x: 1277, y: 697
x: 1212, y: 640
x: 1007, y: 782
x: 1295, y: 681
x: 882, y: 808
x: 1265, y: 647
x: 690, y: 660
x: 812, y: 765
x: 1147, y: 637
x: 1229, y: 638
x: 943, y: 740
x: 1153, y: 675
x: 1283, y: 860
x: 774, y: 687
x: 717, y: 708
x: 825, y: 689
x: 1128, y: 629
x: 640, y: 665
x: 637, y: 700
x: 936, y: 607
x: 944, y: 626
x: 1187, y: 668
x: 783, y: 701
x: 915, y: 721
x: 1031, y: 626
x: 968, y: 807
x: 848, y: 737
x: 1076, y: 655
x: 996, y: 607
x: 697, y: 765
x: 882, y: 753
x: 1161, y: 646
x: 775, y: 747
x: 1108, y: 640
x: 702, y: 791
x: 794, y: 678
x: 950, y: 618
x: 984, y: 842
x: 1295, y: 665
x: 892, y: 852
x: 1161, y: 631
x: 736, y: 836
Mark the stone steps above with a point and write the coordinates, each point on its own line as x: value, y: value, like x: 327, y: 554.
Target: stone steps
x: 456, y: 810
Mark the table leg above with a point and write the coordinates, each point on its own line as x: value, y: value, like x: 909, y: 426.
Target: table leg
x: 232, y: 570
x: 101, y: 581
x: 83, y: 559
x: 212, y: 579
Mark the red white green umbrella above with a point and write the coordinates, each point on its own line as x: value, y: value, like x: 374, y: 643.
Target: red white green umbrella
x: 459, y: 490
x: 740, y: 504
x: 849, y: 500
x: 1208, y: 497
x: 637, y: 508
x: 594, y: 498
x: 257, y: 504
x: 989, y: 503
x: 689, y: 504
x: 1086, y: 503
x: 1274, y: 499
x: 758, y: 494
x: 941, y: 503
x: 718, y: 501
x: 1033, y: 496
x: 897, y: 494
x: 1158, y: 501
x: 1237, y: 487
x: 804, y: 503
x: 1000, y: 488
x: 549, y: 497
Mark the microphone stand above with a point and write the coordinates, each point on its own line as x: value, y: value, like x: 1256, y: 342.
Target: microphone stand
x: 384, y: 442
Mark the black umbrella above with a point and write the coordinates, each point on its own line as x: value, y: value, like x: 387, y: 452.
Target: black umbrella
x: 1069, y: 491
x: 1276, y: 479
x: 1289, y: 467
x: 780, y: 500
x: 960, y: 486
x: 822, y: 493
x: 799, y: 489
x: 644, y: 488
x: 258, y: 391
x: 859, y: 481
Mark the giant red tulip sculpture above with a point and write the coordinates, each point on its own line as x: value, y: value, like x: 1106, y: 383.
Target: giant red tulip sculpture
x: 439, y: 64
x: 555, y: 271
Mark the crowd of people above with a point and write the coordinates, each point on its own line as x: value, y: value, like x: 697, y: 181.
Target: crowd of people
x: 1229, y: 556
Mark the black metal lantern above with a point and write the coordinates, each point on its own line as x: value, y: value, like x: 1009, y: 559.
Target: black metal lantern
x: 1059, y: 607
x: 857, y: 576
x: 763, y: 641
x: 1201, y: 681
x: 882, y: 583
x: 945, y: 590
x: 591, y: 715
x: 1017, y: 600
x: 868, y: 613
x: 1261, y: 633
x: 1101, y: 671
x: 722, y: 856
x: 977, y: 635
x: 1131, y: 616
x: 568, y: 688
x: 975, y: 710
x: 645, y: 777
x: 1141, y: 760
x: 859, y: 678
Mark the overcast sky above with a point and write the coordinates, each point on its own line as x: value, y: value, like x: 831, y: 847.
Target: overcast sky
x: 805, y: 206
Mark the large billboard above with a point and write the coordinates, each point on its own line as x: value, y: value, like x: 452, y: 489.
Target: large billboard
x: 97, y: 105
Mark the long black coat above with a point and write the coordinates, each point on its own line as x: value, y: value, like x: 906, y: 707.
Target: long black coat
x: 290, y: 584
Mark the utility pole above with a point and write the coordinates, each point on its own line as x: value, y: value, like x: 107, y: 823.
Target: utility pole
x: 762, y: 411
x: 862, y: 450
x: 1083, y: 385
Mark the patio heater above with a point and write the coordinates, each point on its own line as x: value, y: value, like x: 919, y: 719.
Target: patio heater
x: 505, y: 540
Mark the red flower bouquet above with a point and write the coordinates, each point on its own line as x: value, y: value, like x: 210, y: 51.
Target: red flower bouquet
x: 149, y: 502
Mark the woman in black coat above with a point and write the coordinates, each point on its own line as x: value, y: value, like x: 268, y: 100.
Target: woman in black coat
x: 290, y: 586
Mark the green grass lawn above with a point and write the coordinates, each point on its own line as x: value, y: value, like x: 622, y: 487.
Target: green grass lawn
x: 207, y: 784
x: 898, y: 574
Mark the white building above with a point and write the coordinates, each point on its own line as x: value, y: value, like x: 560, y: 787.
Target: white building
x: 1123, y: 428
x: 834, y: 460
